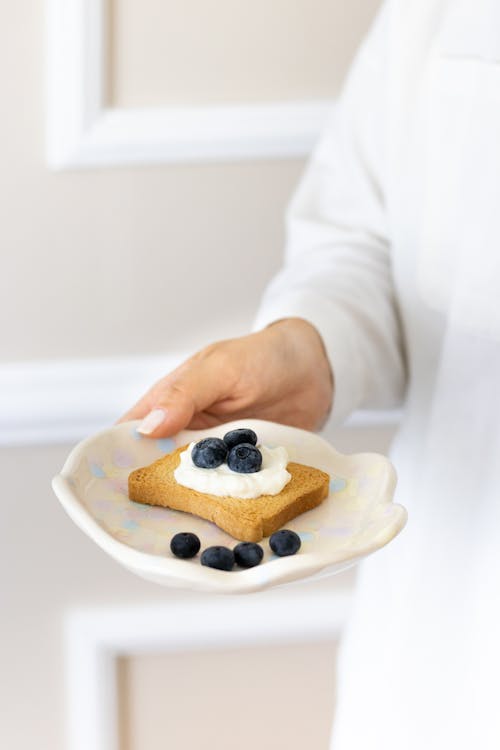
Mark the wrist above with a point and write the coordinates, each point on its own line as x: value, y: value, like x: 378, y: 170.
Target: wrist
x: 304, y: 340
x: 299, y: 331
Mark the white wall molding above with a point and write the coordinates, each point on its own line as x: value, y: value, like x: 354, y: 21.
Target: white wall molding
x: 96, y: 638
x: 83, y: 132
x: 62, y: 401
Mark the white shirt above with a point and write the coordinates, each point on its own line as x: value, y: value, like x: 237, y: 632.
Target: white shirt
x: 394, y: 255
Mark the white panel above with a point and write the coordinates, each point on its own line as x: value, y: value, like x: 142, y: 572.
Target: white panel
x: 81, y: 132
x: 96, y: 637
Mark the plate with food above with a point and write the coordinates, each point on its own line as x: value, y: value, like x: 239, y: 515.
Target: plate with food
x: 236, y: 508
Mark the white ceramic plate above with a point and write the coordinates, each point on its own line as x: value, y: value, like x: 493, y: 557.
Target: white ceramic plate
x: 356, y: 519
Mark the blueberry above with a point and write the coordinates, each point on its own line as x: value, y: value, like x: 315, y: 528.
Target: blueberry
x: 248, y: 554
x: 284, y: 542
x: 209, y: 453
x: 244, y: 458
x: 221, y: 558
x: 185, y: 545
x: 235, y: 437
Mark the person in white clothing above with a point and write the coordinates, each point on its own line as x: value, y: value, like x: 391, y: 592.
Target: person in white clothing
x: 390, y: 292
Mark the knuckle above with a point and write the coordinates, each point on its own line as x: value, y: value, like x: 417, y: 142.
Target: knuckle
x: 208, y: 350
x: 177, y: 391
x: 218, y: 354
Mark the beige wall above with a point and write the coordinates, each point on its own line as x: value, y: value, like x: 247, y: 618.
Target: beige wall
x: 132, y: 261
x: 271, y: 697
x: 121, y: 260
x: 245, y: 51
x: 127, y: 261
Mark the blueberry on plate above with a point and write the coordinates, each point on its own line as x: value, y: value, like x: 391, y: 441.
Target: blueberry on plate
x: 284, y: 542
x: 185, y: 545
x: 248, y: 554
x: 244, y: 458
x: 209, y: 453
x: 218, y: 557
x: 235, y: 437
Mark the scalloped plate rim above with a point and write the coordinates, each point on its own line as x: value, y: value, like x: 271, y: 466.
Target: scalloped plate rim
x: 150, y: 566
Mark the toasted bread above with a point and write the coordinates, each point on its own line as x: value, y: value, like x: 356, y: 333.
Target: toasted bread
x: 246, y: 520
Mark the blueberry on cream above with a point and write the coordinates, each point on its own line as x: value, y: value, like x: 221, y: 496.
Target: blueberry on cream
x: 242, y: 435
x: 243, y: 470
x: 209, y: 453
x: 244, y: 458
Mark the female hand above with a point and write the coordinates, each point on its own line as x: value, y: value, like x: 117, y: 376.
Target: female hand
x: 280, y: 373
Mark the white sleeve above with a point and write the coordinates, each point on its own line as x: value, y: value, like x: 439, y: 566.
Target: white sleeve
x: 337, y: 270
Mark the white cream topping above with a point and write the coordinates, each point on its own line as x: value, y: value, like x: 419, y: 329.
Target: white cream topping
x: 224, y: 482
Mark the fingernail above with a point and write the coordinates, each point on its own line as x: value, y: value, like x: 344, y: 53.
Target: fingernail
x: 152, y: 421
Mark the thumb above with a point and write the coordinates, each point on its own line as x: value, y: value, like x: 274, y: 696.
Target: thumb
x: 173, y: 402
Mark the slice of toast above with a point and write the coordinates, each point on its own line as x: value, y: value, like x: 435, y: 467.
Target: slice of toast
x: 246, y: 520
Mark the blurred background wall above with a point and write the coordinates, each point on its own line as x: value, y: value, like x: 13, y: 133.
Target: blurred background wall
x: 114, y: 261
x: 121, y: 263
